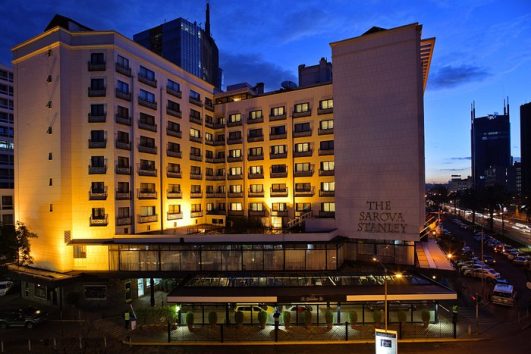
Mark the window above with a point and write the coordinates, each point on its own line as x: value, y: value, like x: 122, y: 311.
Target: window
x: 278, y: 111
x: 235, y: 188
x: 195, y: 188
x: 123, y: 162
x: 209, y: 137
x: 256, y: 206
x: 146, y: 73
x: 95, y: 292
x: 326, y: 145
x: 174, y: 209
x: 302, y: 127
x: 256, y: 188
x: 147, y: 187
x: 147, y: 119
x: 278, y: 168
x: 147, y: 165
x: 97, y: 109
x: 303, y: 167
x: 235, y: 171
x: 174, y: 86
x: 220, y: 172
x: 209, y: 171
x: 123, y: 187
x: 256, y: 170
x: 97, y: 135
x: 236, y: 206
x: 97, y: 161
x: 303, y: 187
x: 195, y: 151
x: 98, y: 213
x: 326, y: 124
x: 235, y: 153
x: 122, y: 87
x: 95, y: 187
x: 195, y: 95
x: 327, y: 165
x: 210, y: 206
x: 279, y: 207
x: 278, y: 149
x: 174, y: 127
x: 302, y: 107
x: 278, y: 187
x: 40, y: 291
x: 147, y: 142
x: 254, y: 115
x: 302, y: 147
x: 195, y: 133
x: 97, y: 84
x: 208, y: 102
x: 122, y: 112
x: 281, y: 129
x: 80, y: 251
x: 174, y: 167
x: 303, y: 206
x: 256, y: 151
x: 6, y: 89
x: 97, y: 58
x: 123, y: 212
x: 328, y: 186
x: 173, y: 106
x: 328, y: 207
x: 255, y: 133
x: 7, y: 202
x: 122, y: 62
x: 326, y: 104
x: 235, y: 118
x: 148, y: 210
x: 196, y: 208
x: 146, y: 96
x: 235, y: 135
x: 195, y: 170
x: 174, y: 188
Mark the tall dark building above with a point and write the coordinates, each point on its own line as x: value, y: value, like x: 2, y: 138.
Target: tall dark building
x: 525, y: 146
x: 491, y: 148
x: 187, y: 45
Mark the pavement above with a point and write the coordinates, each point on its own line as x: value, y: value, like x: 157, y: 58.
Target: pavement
x: 431, y: 256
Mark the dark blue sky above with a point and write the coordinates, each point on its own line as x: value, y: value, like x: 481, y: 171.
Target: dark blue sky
x: 483, y: 49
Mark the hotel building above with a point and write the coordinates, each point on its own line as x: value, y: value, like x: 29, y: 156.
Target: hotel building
x: 124, y: 160
x: 6, y: 146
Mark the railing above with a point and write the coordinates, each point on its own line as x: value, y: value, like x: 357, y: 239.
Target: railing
x: 123, y: 170
x: 277, y: 117
x: 147, y: 81
x: 98, y: 194
x: 304, y: 192
x: 234, y: 158
x: 173, y: 174
x: 278, y: 174
x: 97, y: 118
x: 123, y: 220
x: 122, y: 195
x: 303, y: 153
x: 233, y: 177
x: 325, y: 131
x: 252, y: 139
x: 173, y: 112
x: 305, y: 173
x: 326, y: 172
x: 278, y: 192
x: 326, y: 152
x: 97, y: 144
x: 301, y: 133
x: 173, y: 92
x: 195, y: 101
x: 196, y: 214
x: 122, y: 119
x: 97, y: 170
x: 299, y: 219
x: 255, y: 175
x: 122, y: 69
x: 195, y: 119
x: 277, y: 136
x: 147, y: 149
x: 175, y: 133
x: 123, y: 95
x: 174, y: 216
x: 142, y: 194
x: 325, y: 110
x: 146, y: 103
x: 195, y: 175
x: 145, y: 171
x: 147, y: 218
x: 257, y: 212
x: 174, y: 153
x: 174, y: 194
x: 301, y: 114
x: 323, y: 193
x: 97, y: 92
x: 125, y: 145
x: 281, y: 155
x: 96, y: 66
x: 99, y: 220
x: 147, y: 125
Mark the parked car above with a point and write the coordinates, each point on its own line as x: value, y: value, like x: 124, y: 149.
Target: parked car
x: 503, y: 294
x: 299, y: 308
x: 512, y: 255
x: 489, y: 260
x: 521, y: 260
x: 25, y: 317
x: 5, y: 286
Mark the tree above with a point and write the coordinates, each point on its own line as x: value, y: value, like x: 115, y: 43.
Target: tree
x: 15, y: 244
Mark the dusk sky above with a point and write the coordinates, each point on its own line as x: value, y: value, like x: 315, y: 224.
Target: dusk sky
x: 482, y: 52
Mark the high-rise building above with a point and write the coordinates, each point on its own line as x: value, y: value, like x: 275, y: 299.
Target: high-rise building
x: 315, y: 74
x: 187, y: 45
x: 6, y: 146
x: 132, y: 160
x: 525, y: 146
x: 491, y: 148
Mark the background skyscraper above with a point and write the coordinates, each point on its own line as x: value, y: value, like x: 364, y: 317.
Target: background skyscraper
x: 525, y: 146
x: 187, y: 45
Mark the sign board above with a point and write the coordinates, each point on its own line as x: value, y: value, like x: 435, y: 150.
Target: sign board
x: 385, y: 341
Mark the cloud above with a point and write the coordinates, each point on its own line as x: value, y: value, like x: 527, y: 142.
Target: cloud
x: 450, y: 76
x: 252, y: 68
x: 453, y: 169
x: 460, y: 158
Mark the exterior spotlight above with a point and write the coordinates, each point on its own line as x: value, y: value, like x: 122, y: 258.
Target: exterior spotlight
x: 449, y: 256
x: 399, y: 275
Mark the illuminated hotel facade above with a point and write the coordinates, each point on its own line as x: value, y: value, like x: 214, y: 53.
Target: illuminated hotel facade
x: 119, y: 153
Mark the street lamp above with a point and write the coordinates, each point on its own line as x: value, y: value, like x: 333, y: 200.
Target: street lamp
x: 374, y: 259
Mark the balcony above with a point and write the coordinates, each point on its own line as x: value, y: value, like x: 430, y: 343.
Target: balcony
x: 214, y: 125
x: 255, y: 176
x: 209, y: 106
x: 122, y: 119
x: 147, y: 149
x: 281, y: 213
x: 196, y: 139
x: 195, y: 175
x: 146, y: 103
x: 215, y: 159
x: 327, y: 214
x: 254, y: 194
x: 325, y: 131
x: 195, y: 157
x: 121, y: 195
x: 277, y: 117
x: 326, y: 172
x: 234, y: 158
x: 215, y: 177
x: 142, y: 124
x: 235, y: 123
x: 235, y: 212
x: 301, y: 114
x: 325, y: 110
x: 174, y: 153
x: 196, y: 119
x: 234, y: 140
x: 96, y: 66
x: 175, y: 93
x: 97, y: 92
x: 281, y: 155
x: 122, y: 69
x: 124, y: 145
x: 196, y: 195
x: 326, y: 152
x: 301, y: 133
x: 278, y: 174
x: 195, y: 101
x: 216, y: 211
x: 146, y: 171
x: 174, y: 194
x: 122, y: 170
x: 252, y: 139
x: 99, y: 220
x: 142, y: 219
x: 98, y: 194
x: 174, y: 113
x: 97, y: 144
x: 305, y: 173
x: 196, y: 214
x: 257, y: 213
x: 174, y: 216
x: 219, y: 142
x: 215, y: 195
x: 97, y: 170
x: 147, y: 81
x: 97, y: 118
x: 255, y: 157
x: 123, y: 220
x: 303, y: 153
x: 323, y: 193
x: 234, y: 177
x: 274, y: 193
x: 235, y: 194
x: 256, y: 120
x: 123, y: 95
x: 304, y: 192
x: 173, y: 174
x: 174, y: 133
x: 146, y: 194
x: 277, y: 136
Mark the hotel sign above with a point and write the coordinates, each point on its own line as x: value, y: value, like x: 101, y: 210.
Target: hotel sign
x: 379, y: 217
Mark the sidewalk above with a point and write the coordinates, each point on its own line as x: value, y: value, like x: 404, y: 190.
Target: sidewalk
x: 431, y: 256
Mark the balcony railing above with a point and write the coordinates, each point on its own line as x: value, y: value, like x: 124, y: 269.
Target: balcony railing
x: 122, y: 119
x: 235, y: 140
x: 174, y: 216
x: 143, y: 194
x: 125, y: 145
x: 233, y: 177
x: 123, y: 220
x: 235, y: 212
x: 279, y: 192
x: 97, y: 92
x: 235, y: 123
x: 215, y: 159
x: 209, y: 106
x: 195, y: 157
x: 281, y: 213
x: 257, y: 212
x: 219, y: 142
x: 252, y: 139
x: 215, y: 177
x: 255, y: 157
x: 175, y: 133
x: 173, y: 174
x: 234, y: 158
x: 277, y: 117
x: 147, y: 81
x: 97, y: 118
x: 196, y: 195
x: 147, y: 149
x: 278, y: 174
x: 196, y: 119
x: 325, y: 131
x: 174, y: 153
x: 122, y: 69
x: 256, y: 120
x: 174, y: 194
x: 304, y: 192
x: 146, y: 103
x: 326, y: 172
x: 97, y: 144
x: 216, y: 211
x: 147, y: 125
x: 281, y: 155
x: 323, y: 193
x: 146, y: 171
x: 252, y: 194
x: 196, y: 214
x: 305, y: 173
x: 255, y: 175
x: 214, y: 125
x: 173, y: 112
x: 97, y: 170
x: 96, y: 66
x: 196, y: 139
x: 98, y: 194
x: 326, y: 152
x: 327, y: 214
x: 215, y: 195
x: 235, y: 194
x: 301, y: 114
x: 300, y: 133
x: 99, y: 220
x: 196, y: 102
x: 325, y: 110
x: 142, y: 219
x: 173, y: 92
x: 123, y: 170
x: 120, y: 195
x: 123, y: 95
x: 303, y: 153
x: 195, y: 175
x: 277, y: 136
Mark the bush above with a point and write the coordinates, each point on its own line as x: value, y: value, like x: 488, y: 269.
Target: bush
x: 353, y: 317
x: 286, y: 315
x: 425, y: 314
x: 262, y: 318
x: 329, y: 318
x: 377, y: 316
x: 307, y: 318
x: 238, y: 317
x: 213, y: 318
x: 190, y: 320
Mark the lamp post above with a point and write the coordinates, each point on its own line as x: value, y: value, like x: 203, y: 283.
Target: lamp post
x: 374, y: 259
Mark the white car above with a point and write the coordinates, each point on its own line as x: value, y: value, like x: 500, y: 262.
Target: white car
x: 5, y: 286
